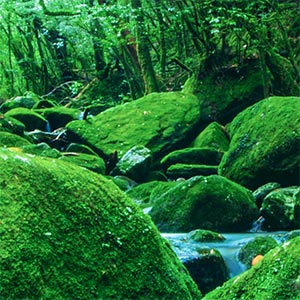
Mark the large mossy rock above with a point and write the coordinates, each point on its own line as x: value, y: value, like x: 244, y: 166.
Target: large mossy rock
x: 162, y: 122
x: 276, y: 276
x: 68, y: 233
x: 11, y: 125
x: 12, y: 140
x: 203, y: 156
x: 281, y: 209
x: 29, y: 118
x: 264, y: 144
x: 213, y: 136
x: 213, y: 203
x: 27, y: 101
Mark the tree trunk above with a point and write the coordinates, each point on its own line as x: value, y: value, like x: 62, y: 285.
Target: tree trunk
x: 143, y: 51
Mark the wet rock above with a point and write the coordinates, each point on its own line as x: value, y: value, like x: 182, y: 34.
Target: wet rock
x: 200, y: 235
x: 263, y: 191
x: 135, y: 164
x: 91, y: 240
x: 212, y: 202
x: 281, y: 209
x: 258, y: 246
x: 208, y: 269
x: 264, y: 144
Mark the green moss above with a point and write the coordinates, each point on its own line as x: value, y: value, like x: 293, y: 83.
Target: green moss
x: 264, y: 144
x: 225, y: 93
x: 11, y: 125
x: 29, y: 118
x: 187, y: 171
x: 27, y: 101
x: 204, y: 156
x: 68, y: 233
x: 88, y: 161
x: 211, y: 202
x: 159, y: 121
x: 276, y: 276
x: 201, y: 235
x: 260, y: 245
x: 213, y: 136
x: 41, y: 149
x: 79, y: 148
x: 281, y: 209
x: 59, y: 116
x: 11, y: 140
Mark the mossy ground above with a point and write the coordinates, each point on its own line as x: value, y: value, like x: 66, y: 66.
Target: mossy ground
x: 68, y: 233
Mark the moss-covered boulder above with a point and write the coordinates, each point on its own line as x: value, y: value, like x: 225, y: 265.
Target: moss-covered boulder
x: 41, y: 149
x: 135, y: 163
x: 276, y: 276
x: 12, y: 140
x: 260, y: 245
x: 59, y: 116
x: 162, y: 122
x: 213, y: 136
x: 264, y: 144
x: 202, y: 236
x: 201, y: 156
x: 146, y: 193
x: 123, y: 182
x: 44, y: 104
x: 208, y: 269
x: 281, y: 209
x: 80, y: 148
x: 88, y: 161
x: 11, y: 125
x: 29, y: 118
x: 190, y: 170
x: 27, y: 101
x: 260, y: 193
x: 213, y: 203
x: 68, y: 233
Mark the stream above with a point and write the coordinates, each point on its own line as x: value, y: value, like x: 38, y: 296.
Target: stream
x: 187, y: 249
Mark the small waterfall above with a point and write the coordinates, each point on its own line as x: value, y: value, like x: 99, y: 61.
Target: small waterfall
x: 48, y: 127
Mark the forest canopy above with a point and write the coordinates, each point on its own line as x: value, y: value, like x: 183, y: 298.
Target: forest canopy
x: 127, y: 48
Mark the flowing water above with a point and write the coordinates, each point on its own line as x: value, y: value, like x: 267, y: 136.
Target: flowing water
x: 229, y: 249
